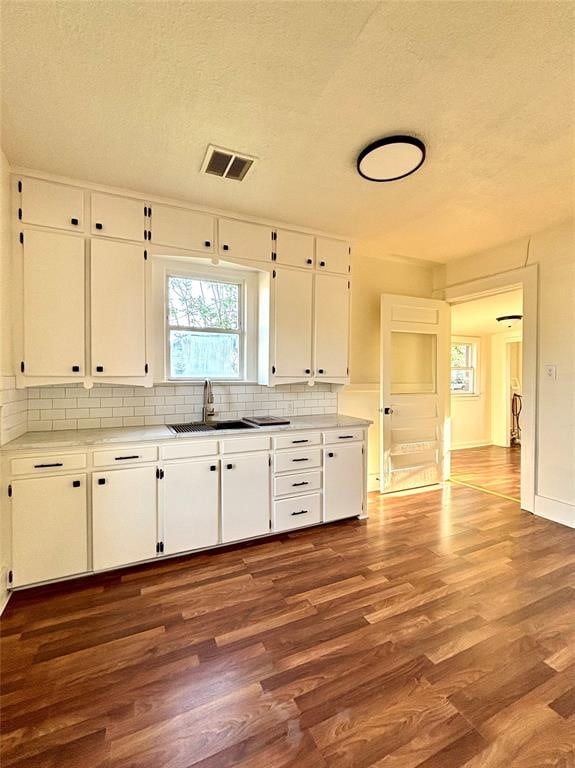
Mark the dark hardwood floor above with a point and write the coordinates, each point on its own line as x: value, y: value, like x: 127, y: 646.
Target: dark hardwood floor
x: 438, y: 634
x: 491, y: 467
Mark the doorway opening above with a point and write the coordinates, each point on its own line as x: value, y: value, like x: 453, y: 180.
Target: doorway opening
x: 486, y: 392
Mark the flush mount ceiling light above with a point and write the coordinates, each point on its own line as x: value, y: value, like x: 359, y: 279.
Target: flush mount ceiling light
x: 392, y: 158
x: 509, y: 320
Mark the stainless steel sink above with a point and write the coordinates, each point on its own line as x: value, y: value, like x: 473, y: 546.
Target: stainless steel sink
x: 200, y: 426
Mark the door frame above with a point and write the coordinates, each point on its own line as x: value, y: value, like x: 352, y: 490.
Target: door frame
x: 527, y: 279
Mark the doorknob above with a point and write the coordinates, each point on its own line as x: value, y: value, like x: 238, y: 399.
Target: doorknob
x: 388, y: 411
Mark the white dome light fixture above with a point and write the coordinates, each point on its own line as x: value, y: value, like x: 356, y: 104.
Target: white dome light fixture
x: 509, y: 320
x: 392, y: 158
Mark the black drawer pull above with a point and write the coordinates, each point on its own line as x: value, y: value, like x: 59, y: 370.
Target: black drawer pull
x: 345, y: 437
x: 45, y: 466
x: 124, y: 458
x: 99, y: 225
x: 300, y: 459
x: 300, y: 441
x: 101, y: 481
x: 304, y: 482
x: 301, y: 512
x: 75, y: 483
x: 75, y: 222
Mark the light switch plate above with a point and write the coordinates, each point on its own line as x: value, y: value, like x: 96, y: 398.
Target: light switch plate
x: 550, y: 371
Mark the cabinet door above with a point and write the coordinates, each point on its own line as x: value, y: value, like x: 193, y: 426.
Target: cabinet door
x: 180, y: 228
x: 246, y: 496
x: 332, y: 296
x: 243, y: 240
x: 332, y: 255
x: 52, y: 205
x: 49, y: 528
x: 191, y: 505
x: 343, y: 481
x: 119, y: 217
x: 292, y: 323
x: 294, y: 249
x: 53, y: 306
x: 118, y: 327
x: 124, y: 526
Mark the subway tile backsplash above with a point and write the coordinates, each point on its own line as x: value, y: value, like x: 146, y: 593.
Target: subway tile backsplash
x: 73, y: 407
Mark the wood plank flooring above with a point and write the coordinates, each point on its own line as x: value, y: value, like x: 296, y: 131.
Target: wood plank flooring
x: 491, y: 467
x: 440, y: 633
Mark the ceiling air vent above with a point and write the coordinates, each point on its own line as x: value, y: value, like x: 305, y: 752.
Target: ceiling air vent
x: 226, y: 163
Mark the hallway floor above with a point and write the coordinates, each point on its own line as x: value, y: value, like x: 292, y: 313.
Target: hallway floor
x: 491, y: 468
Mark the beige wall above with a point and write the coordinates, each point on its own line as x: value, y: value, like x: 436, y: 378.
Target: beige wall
x: 6, y: 367
x: 471, y: 414
x: 554, y: 252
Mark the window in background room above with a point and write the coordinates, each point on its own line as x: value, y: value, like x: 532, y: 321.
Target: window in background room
x: 464, y: 368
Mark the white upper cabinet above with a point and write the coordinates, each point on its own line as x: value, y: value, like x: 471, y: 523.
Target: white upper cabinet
x: 120, y: 217
x: 292, y: 324
x: 118, y: 316
x: 190, y: 505
x: 246, y: 499
x: 332, y: 304
x: 51, y: 205
x: 53, y: 327
x: 49, y: 528
x: 332, y: 255
x: 294, y: 249
x: 243, y: 240
x: 124, y: 516
x: 180, y: 228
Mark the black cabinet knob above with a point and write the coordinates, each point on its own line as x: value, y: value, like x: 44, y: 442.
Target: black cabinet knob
x: 99, y: 369
x: 225, y: 247
x: 320, y: 370
x: 76, y: 484
x: 207, y: 243
x: 229, y: 466
x: 75, y: 369
x: 309, y: 261
x: 308, y: 370
x: 330, y: 454
x: 75, y: 222
x: 101, y: 481
x: 213, y: 468
x: 99, y: 225
x: 322, y: 263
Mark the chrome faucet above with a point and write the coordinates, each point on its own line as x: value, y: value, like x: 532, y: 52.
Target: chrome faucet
x: 208, y: 410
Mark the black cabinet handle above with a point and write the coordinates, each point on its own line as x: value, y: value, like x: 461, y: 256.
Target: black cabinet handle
x: 308, y: 370
x: 75, y: 222
x: 345, y: 437
x: 301, y: 512
x: 304, y: 482
x: 299, y: 441
x: 322, y: 263
x: 75, y: 483
x: 229, y: 466
x: 225, y: 247
x: 75, y: 369
x: 213, y: 468
x: 320, y: 370
x: 45, y: 466
x: 124, y: 458
x: 300, y: 459
x: 99, y: 225
x: 101, y: 481
x: 207, y: 243
x: 330, y: 454
x: 99, y: 369
x: 309, y: 261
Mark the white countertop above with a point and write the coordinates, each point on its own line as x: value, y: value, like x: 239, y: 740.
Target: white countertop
x: 90, y: 437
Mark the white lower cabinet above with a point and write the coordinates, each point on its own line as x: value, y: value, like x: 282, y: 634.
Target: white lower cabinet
x: 124, y: 525
x: 49, y: 528
x: 343, y: 481
x: 190, y: 501
x: 246, y: 495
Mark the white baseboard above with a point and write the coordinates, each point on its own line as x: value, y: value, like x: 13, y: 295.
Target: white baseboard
x: 557, y: 511
x: 471, y: 444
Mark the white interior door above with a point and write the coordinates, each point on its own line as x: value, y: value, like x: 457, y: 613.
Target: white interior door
x: 414, y: 392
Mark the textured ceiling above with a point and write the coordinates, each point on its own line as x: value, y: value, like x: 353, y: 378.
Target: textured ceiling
x: 130, y: 93
x: 479, y: 317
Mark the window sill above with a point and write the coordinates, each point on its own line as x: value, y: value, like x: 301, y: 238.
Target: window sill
x: 466, y: 395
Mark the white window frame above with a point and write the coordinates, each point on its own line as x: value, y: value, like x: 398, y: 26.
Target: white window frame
x: 475, y: 343
x: 164, y: 268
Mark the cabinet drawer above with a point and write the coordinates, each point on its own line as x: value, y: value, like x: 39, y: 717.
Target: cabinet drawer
x: 125, y: 456
x: 294, y: 513
x: 290, y: 461
x: 189, y: 450
x: 300, y: 483
x: 240, y: 445
x: 343, y: 436
x: 43, y: 464
x: 297, y: 441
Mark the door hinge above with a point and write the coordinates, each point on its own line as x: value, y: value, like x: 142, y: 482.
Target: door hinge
x: 274, y: 274
x: 10, y: 491
x: 273, y: 369
x: 146, y: 368
x: 10, y: 577
x: 21, y: 238
x: 348, y: 285
x: 20, y: 213
x: 270, y: 525
x: 22, y: 367
x: 274, y: 256
x: 145, y: 211
x: 19, y: 186
x: 269, y: 461
x: 274, y: 235
x: 145, y: 255
x: 160, y: 473
x: 161, y: 546
x: 349, y: 267
x: 150, y: 212
x: 157, y: 546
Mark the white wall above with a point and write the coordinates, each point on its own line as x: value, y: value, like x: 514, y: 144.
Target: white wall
x: 471, y: 414
x: 554, y: 252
